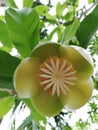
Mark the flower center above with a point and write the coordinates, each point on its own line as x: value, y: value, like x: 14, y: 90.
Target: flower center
x: 56, y: 75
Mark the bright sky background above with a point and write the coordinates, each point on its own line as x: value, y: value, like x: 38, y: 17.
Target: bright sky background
x: 19, y: 116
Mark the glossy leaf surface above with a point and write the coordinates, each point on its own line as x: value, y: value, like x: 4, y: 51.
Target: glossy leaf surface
x: 87, y: 28
x: 23, y: 29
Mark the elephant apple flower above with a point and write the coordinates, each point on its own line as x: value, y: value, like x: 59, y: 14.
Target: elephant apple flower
x: 55, y: 76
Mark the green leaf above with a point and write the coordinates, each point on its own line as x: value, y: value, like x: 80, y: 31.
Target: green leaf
x: 26, y: 124
x: 68, y: 16
x: 3, y: 94
x: 70, y: 31
x: 6, y: 82
x: 49, y: 16
x: 87, y: 28
x: 24, y: 29
x: 73, y: 2
x: 76, y: 2
x: 90, y: 1
x: 34, y: 114
x: 2, y: 17
x: 60, y: 30
x: 8, y: 64
x: 27, y: 3
x: 5, y: 105
x: 49, y: 37
x: 60, y: 8
x: 41, y: 9
x: 11, y: 3
x: 4, y: 35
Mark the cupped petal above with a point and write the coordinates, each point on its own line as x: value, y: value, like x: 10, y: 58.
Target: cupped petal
x: 45, y: 50
x: 84, y: 53
x: 25, y: 77
x: 80, y: 59
x: 47, y: 104
x: 80, y: 94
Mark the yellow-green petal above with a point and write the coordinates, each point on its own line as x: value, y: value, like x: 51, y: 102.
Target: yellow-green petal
x: 45, y: 50
x: 79, y: 58
x: 80, y: 94
x: 84, y: 53
x: 47, y: 104
x: 25, y: 77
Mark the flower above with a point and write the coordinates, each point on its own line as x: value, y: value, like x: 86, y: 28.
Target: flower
x: 55, y: 76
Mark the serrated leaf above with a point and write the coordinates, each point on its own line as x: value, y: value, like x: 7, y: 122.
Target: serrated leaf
x: 87, y: 28
x: 5, y: 105
x: 11, y: 3
x: 4, y: 35
x: 24, y: 29
x: 8, y: 64
x: 27, y: 3
x: 34, y: 114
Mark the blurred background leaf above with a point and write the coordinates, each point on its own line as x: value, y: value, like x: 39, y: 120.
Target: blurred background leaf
x: 87, y: 28
x: 11, y: 3
x: 27, y: 3
x: 5, y: 105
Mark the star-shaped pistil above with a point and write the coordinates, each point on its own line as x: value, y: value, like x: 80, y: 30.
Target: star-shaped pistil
x: 57, y: 74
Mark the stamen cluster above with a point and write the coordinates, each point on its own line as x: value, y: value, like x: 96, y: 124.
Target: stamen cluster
x: 57, y: 75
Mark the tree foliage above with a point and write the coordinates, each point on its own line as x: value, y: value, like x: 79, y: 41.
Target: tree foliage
x: 21, y: 29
